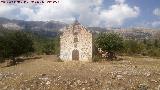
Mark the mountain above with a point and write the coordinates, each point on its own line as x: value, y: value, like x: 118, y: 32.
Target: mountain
x: 52, y: 28
x: 48, y: 28
x: 138, y: 33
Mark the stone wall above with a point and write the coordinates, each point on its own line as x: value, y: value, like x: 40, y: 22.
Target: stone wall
x: 76, y: 42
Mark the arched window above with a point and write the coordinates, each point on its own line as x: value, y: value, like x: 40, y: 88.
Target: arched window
x: 75, y: 39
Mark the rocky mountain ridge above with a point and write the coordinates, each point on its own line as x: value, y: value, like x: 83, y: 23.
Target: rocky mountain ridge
x: 52, y: 28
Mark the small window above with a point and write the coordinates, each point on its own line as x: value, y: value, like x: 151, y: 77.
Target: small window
x: 75, y: 45
x: 75, y: 40
x: 75, y: 33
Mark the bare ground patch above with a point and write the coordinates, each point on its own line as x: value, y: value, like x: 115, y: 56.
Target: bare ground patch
x: 47, y: 74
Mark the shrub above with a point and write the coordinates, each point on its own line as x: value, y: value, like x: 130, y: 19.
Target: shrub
x: 14, y: 44
x: 110, y: 42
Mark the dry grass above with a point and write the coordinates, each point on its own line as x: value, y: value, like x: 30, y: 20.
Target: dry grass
x: 131, y: 73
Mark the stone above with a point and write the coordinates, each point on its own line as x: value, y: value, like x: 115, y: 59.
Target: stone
x: 148, y: 74
x: 1, y: 77
x: 48, y: 82
x: 44, y: 79
x: 143, y: 87
x: 79, y: 82
x: 5, y: 87
x: 75, y: 43
x: 28, y: 89
x: 152, y: 80
x: 119, y: 77
x: 125, y: 72
x: 159, y: 87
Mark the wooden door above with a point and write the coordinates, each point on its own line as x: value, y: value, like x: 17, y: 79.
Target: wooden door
x: 75, y: 55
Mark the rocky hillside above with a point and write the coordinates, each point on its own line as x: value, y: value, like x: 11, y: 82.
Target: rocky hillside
x: 52, y: 28
x: 49, y: 28
x: 130, y: 33
x: 31, y: 25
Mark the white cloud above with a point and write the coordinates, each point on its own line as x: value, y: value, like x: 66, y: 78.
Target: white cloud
x: 120, y: 1
x: 118, y: 13
x: 90, y: 12
x: 155, y: 24
x: 156, y: 12
x: 5, y: 9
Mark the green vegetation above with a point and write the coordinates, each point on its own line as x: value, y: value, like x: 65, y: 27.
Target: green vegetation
x: 14, y: 44
x: 144, y: 47
x: 113, y: 43
x: 48, y: 46
x: 110, y: 43
x: 19, y: 43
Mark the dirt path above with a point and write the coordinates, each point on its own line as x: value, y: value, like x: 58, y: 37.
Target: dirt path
x: 47, y: 74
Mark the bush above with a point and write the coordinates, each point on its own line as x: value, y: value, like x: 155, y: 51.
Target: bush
x: 1, y: 60
x: 154, y: 52
x: 46, y: 46
x: 14, y: 44
x: 49, y: 48
x: 109, y: 42
x: 133, y: 47
x: 146, y: 47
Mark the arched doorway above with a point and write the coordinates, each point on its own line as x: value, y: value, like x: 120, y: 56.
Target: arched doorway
x: 75, y: 55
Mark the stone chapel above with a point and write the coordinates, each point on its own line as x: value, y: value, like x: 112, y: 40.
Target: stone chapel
x: 76, y: 43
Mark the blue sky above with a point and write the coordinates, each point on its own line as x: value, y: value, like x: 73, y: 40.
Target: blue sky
x: 104, y: 13
x: 146, y: 15
x: 147, y: 8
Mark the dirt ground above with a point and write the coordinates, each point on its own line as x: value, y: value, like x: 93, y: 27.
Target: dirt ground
x: 46, y: 73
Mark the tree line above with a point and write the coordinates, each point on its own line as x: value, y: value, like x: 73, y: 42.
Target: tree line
x: 14, y: 43
x: 114, y: 44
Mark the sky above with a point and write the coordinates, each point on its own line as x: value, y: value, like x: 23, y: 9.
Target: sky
x: 101, y: 13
